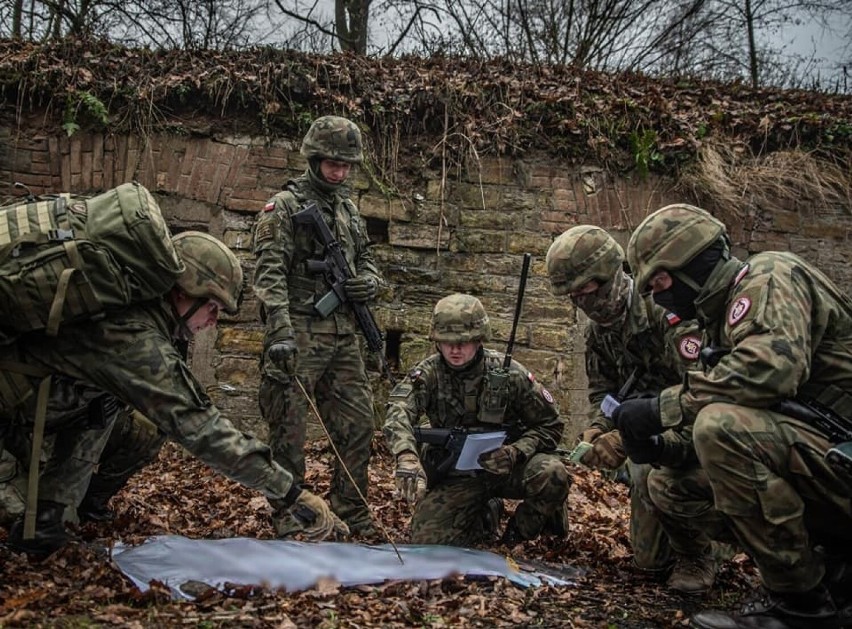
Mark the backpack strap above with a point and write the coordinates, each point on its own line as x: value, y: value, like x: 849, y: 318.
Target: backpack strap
x: 38, y: 436
x: 38, y: 440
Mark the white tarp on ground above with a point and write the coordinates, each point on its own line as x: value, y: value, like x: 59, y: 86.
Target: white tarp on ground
x: 176, y: 561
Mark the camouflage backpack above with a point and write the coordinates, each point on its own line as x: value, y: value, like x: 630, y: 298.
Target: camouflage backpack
x: 68, y: 258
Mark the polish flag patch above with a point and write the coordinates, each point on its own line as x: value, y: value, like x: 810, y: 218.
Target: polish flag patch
x: 689, y: 347
x: 739, y: 309
x: 269, y: 207
x: 672, y: 318
x: 530, y: 376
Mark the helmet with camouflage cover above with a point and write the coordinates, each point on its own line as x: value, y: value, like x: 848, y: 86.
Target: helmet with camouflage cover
x: 580, y: 255
x: 669, y: 238
x: 333, y: 137
x: 459, y: 318
x: 212, y: 270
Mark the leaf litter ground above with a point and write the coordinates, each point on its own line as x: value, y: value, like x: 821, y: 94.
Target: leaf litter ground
x: 80, y: 586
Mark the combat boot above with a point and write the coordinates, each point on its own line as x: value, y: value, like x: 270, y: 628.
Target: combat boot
x: 557, y: 522
x: 491, y: 518
x: 50, y: 533
x: 511, y: 536
x: 693, y: 574
x: 813, y: 609
x: 95, y: 508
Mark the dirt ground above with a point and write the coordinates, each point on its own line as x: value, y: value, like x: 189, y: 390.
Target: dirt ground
x: 80, y: 586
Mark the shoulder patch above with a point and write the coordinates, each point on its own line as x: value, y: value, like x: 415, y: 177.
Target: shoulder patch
x: 546, y: 395
x: 415, y: 374
x: 530, y: 376
x: 269, y: 206
x: 672, y: 318
x: 264, y: 231
x: 739, y: 309
x: 689, y: 347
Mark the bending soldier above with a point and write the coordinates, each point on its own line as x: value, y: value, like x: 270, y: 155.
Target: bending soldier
x: 785, y: 335
x: 463, y: 387
x: 130, y: 355
x: 323, y: 350
x: 633, y: 347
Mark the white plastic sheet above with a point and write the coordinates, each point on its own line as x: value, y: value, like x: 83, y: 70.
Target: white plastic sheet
x: 176, y: 561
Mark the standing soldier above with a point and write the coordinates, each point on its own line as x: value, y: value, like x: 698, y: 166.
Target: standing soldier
x: 463, y: 387
x: 325, y: 352
x: 632, y: 344
x: 129, y: 354
x: 782, y: 335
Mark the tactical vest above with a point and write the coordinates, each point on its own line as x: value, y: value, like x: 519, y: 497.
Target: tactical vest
x: 486, y: 396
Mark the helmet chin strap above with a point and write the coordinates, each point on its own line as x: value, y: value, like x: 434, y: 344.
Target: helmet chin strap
x: 182, y: 330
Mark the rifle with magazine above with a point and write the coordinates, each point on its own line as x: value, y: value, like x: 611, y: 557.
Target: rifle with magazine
x: 838, y: 429
x: 336, y: 269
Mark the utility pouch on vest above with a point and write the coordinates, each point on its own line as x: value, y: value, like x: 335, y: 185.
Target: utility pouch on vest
x: 495, y: 396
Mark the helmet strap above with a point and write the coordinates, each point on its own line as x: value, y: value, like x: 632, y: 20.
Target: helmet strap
x: 182, y: 330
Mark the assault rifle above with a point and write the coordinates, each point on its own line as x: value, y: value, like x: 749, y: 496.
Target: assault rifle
x: 838, y: 429
x: 336, y: 270
x: 450, y: 439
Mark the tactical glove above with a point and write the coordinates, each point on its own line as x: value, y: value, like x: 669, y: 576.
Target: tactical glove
x: 361, y: 288
x: 410, y: 477
x: 500, y: 461
x: 589, y: 435
x: 316, y: 517
x: 644, y: 450
x: 283, y: 355
x: 607, y: 452
x: 638, y: 418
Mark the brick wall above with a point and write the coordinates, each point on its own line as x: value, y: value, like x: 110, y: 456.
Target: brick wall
x: 466, y: 234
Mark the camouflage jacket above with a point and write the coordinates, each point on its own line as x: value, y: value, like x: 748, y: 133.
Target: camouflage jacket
x: 789, y: 329
x: 130, y: 355
x: 286, y: 289
x: 450, y: 399
x: 654, y: 344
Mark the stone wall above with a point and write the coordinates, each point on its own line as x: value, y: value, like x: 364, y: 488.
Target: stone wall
x: 465, y: 234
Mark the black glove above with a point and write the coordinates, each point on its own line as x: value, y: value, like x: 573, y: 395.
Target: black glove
x: 644, y: 450
x: 361, y: 288
x: 638, y: 418
x: 283, y: 355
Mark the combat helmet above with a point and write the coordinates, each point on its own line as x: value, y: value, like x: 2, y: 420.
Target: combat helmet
x: 333, y: 137
x: 669, y: 238
x: 212, y: 270
x: 580, y: 255
x: 459, y: 318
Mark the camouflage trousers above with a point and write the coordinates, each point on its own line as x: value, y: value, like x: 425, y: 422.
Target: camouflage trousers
x: 133, y: 443
x: 78, y: 422
x: 331, y: 369
x: 763, y: 475
x: 648, y: 538
x: 454, y: 511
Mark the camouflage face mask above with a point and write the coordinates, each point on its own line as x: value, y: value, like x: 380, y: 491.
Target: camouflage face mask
x: 608, y: 304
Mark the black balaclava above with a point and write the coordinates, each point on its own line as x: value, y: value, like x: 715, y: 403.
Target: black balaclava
x: 320, y: 184
x: 688, y: 281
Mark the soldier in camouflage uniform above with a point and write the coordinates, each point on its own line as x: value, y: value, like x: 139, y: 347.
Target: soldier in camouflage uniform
x: 130, y: 355
x: 323, y: 351
x: 464, y: 386
x: 784, y: 331
x: 630, y: 342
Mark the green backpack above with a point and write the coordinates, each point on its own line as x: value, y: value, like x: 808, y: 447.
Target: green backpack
x: 70, y: 258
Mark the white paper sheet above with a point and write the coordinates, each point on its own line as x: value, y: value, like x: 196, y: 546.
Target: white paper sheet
x: 478, y: 443
x: 608, y: 405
